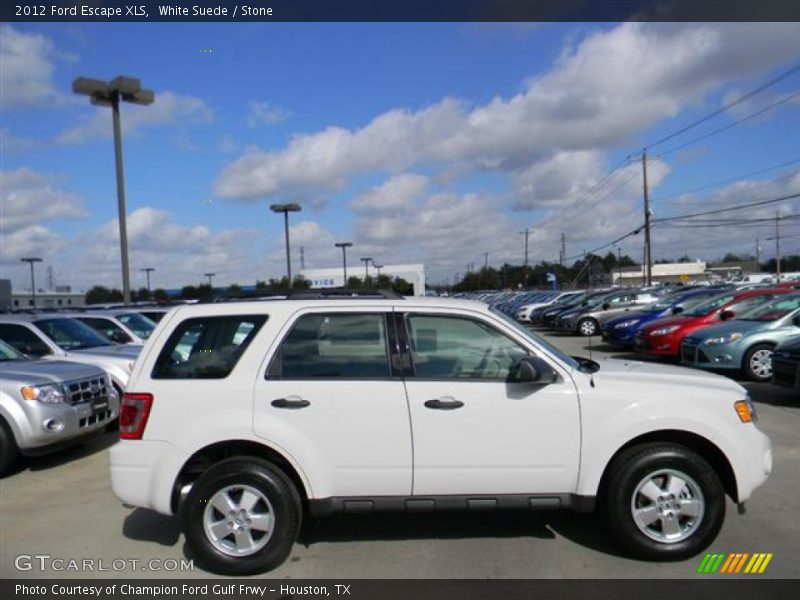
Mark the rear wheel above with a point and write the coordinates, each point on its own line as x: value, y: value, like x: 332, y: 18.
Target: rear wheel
x: 664, y: 501
x: 757, y: 364
x: 587, y: 327
x: 8, y: 448
x: 242, y: 517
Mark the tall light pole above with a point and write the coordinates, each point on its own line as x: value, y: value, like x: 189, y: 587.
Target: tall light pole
x: 30, y: 261
x: 210, y: 278
x: 378, y: 269
x: 109, y: 93
x: 344, y: 246
x: 366, y: 268
x: 286, y: 209
x: 147, y: 271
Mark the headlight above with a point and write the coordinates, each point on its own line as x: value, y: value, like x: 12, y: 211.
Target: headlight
x: 47, y: 394
x: 723, y: 339
x: 665, y: 330
x: 625, y: 324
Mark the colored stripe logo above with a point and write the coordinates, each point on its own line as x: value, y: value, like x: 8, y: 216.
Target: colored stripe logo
x: 735, y: 563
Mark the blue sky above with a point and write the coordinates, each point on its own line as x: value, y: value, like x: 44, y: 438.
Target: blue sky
x: 425, y: 143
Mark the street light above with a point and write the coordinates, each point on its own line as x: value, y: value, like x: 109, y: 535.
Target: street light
x: 286, y: 209
x: 344, y: 246
x: 30, y: 261
x: 366, y: 268
x: 377, y: 268
x: 109, y: 93
x: 210, y: 278
x: 147, y: 271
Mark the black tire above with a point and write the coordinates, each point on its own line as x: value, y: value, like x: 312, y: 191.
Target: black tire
x: 588, y: 327
x: 9, y: 452
x: 633, y: 467
x: 751, y: 371
x: 286, y: 511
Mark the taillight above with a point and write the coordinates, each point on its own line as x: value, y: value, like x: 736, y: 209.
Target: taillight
x: 133, y: 413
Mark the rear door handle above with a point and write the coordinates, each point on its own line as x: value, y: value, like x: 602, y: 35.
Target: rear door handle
x: 440, y: 404
x: 286, y: 403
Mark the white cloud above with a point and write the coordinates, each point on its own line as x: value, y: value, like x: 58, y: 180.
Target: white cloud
x: 26, y: 69
x: 264, y: 113
x: 395, y: 194
x: 28, y: 198
x: 604, y: 90
x: 152, y: 235
x: 10, y: 143
x: 169, y: 108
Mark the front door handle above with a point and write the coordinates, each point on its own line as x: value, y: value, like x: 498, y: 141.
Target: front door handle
x: 440, y: 404
x: 286, y: 403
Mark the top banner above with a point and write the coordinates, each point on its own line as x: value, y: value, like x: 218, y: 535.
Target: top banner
x: 399, y: 10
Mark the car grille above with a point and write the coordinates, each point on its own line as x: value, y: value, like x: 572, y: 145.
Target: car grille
x: 88, y: 390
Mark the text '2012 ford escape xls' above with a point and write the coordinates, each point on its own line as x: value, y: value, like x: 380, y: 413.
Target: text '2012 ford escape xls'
x: 243, y: 417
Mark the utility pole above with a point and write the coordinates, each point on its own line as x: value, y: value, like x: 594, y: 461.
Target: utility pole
x: 485, y: 260
x: 526, y: 233
x: 619, y: 265
x: 302, y: 258
x: 563, y: 253
x: 758, y: 257
x: 778, y: 244
x: 147, y: 271
x: 648, y: 251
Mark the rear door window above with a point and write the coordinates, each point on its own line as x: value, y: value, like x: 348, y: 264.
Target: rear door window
x: 334, y: 346
x: 206, y: 347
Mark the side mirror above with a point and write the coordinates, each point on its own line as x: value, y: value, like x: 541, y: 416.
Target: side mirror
x: 726, y: 315
x: 533, y: 369
x: 120, y: 337
x: 676, y: 310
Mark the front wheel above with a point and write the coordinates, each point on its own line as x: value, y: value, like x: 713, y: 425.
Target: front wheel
x: 587, y: 327
x: 242, y: 517
x: 757, y: 364
x: 664, y: 501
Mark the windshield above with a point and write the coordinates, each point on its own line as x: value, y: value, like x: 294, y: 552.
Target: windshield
x: 709, y: 305
x: 567, y: 360
x: 772, y: 311
x: 71, y: 334
x: 139, y: 324
x: 8, y: 353
x: 682, y: 301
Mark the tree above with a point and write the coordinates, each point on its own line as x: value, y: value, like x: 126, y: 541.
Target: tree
x: 143, y: 294
x: 401, y: 286
x: 234, y: 289
x: 731, y: 257
x: 354, y: 283
x: 160, y: 295
x: 98, y: 295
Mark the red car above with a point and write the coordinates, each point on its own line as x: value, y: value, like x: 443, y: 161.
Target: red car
x: 664, y: 336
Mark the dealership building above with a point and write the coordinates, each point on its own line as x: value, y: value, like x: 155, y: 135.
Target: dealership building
x: 331, y: 278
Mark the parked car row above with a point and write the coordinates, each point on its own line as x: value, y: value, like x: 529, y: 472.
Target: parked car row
x: 62, y: 374
x: 728, y: 329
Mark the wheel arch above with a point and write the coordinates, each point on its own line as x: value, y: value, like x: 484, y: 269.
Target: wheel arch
x: 211, y: 454
x: 746, y: 351
x: 703, y: 446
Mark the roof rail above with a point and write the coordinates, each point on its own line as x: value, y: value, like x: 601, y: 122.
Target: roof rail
x: 241, y: 296
x: 321, y: 294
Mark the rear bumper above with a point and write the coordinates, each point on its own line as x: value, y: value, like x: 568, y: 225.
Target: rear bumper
x: 144, y: 472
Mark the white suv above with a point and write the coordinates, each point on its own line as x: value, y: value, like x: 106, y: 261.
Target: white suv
x: 242, y: 417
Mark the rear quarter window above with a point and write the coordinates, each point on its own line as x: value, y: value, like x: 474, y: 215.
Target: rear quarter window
x: 206, y: 347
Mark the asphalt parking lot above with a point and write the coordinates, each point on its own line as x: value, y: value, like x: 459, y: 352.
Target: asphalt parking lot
x: 62, y: 505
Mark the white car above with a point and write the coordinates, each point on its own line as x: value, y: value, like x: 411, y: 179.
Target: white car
x: 524, y: 311
x: 242, y: 417
x: 61, y: 337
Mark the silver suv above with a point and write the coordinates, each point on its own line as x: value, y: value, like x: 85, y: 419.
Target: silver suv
x: 45, y: 404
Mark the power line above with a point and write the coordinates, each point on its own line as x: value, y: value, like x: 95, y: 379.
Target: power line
x: 724, y: 181
x: 720, y: 210
x: 794, y: 69
x: 731, y: 125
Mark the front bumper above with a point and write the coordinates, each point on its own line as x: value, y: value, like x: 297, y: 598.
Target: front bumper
x: 54, y: 425
x: 660, y: 345
x: 785, y: 371
x: 701, y: 356
x: 754, y: 461
x: 623, y: 338
x: 143, y: 473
